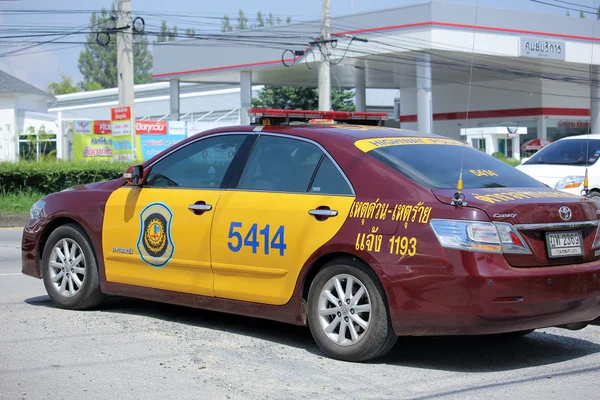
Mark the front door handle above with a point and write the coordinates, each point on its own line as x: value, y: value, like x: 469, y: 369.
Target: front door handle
x: 321, y: 214
x: 199, y: 207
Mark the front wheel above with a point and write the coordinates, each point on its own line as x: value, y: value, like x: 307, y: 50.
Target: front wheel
x: 347, y: 314
x: 69, y: 269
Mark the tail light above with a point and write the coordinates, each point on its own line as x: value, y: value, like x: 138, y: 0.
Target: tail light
x: 596, y: 244
x: 488, y: 237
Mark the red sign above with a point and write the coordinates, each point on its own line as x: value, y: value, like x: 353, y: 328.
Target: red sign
x: 574, y: 124
x: 151, y: 127
x: 102, y: 127
x: 121, y: 113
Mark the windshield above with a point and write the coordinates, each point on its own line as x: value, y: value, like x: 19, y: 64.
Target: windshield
x: 568, y: 152
x: 438, y: 166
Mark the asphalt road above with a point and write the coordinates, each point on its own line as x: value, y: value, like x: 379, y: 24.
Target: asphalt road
x: 133, y: 349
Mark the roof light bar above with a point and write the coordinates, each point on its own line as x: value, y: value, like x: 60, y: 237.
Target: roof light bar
x: 313, y: 114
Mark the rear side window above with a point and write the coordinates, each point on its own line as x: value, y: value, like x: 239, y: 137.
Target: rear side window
x: 439, y: 165
x: 329, y: 180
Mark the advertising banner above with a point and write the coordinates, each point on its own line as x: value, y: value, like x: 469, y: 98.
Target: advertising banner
x: 151, y: 145
x: 177, y: 127
x: 90, y: 143
x: 121, y: 126
x: 151, y: 127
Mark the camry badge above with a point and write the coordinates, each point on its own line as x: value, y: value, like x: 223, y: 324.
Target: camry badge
x: 565, y: 213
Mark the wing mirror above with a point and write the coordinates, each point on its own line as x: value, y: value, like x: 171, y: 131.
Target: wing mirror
x: 134, y: 175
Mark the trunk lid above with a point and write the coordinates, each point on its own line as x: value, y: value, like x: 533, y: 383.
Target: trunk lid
x: 536, y: 213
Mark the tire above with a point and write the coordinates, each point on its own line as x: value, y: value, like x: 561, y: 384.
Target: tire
x: 379, y: 336
x: 81, y: 288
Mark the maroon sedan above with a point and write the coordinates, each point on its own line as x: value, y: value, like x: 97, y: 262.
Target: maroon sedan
x: 358, y: 231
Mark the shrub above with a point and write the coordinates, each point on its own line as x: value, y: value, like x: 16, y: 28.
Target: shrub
x: 49, y: 177
x: 507, y: 160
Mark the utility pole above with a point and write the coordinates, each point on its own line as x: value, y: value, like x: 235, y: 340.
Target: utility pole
x: 125, y: 60
x: 324, y: 68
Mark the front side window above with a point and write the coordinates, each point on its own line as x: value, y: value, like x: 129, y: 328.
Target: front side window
x: 202, y: 164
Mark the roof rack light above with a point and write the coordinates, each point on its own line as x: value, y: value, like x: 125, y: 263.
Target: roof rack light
x: 273, y: 116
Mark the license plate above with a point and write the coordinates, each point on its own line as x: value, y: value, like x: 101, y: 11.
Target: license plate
x: 564, y: 244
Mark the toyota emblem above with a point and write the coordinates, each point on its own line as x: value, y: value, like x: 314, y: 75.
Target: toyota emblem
x: 565, y: 213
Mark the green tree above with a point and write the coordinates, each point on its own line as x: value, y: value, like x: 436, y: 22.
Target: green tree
x: 226, y: 24
x: 260, y: 20
x: 173, y: 33
x: 287, y: 97
x: 165, y: 33
x: 568, y: 13
x: 581, y: 14
x: 302, y: 98
x: 190, y: 32
x: 98, y: 64
x: 90, y: 86
x: 65, y: 86
x: 242, y: 21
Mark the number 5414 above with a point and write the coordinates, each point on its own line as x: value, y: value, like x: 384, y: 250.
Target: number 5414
x: 254, y: 238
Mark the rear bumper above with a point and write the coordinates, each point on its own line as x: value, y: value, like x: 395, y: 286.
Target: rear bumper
x: 481, y: 294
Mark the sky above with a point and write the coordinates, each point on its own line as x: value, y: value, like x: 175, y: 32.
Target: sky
x: 44, y: 64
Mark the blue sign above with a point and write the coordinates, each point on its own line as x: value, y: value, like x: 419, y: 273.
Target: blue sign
x: 153, y: 144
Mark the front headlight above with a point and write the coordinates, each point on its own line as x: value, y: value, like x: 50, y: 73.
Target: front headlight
x: 570, y: 182
x: 36, y: 209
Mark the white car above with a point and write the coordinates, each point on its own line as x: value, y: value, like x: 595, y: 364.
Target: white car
x: 561, y: 165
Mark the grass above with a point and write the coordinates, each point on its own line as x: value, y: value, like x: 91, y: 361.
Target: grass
x: 18, y: 202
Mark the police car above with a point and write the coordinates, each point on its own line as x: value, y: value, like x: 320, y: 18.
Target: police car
x: 364, y: 233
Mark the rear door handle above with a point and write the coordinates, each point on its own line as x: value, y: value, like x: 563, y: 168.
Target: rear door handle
x: 199, y: 208
x: 322, y: 214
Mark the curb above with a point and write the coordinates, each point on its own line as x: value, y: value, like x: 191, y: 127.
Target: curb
x: 13, y: 221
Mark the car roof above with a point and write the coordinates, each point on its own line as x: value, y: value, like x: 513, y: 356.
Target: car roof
x: 582, y: 137
x: 356, y: 132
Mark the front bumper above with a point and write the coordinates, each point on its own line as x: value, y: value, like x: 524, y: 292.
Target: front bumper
x: 482, y: 294
x: 30, y: 262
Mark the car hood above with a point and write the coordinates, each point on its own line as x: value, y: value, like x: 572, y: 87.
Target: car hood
x: 112, y: 184
x: 550, y: 174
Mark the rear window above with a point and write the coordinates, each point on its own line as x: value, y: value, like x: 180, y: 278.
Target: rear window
x: 438, y: 166
x: 568, y: 152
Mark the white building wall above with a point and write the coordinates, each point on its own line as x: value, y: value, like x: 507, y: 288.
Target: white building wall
x: 7, y: 127
x: 484, y: 96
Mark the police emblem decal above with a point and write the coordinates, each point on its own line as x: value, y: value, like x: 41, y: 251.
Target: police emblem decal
x: 154, y: 243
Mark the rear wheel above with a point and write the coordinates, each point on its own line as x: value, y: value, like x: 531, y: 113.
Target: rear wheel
x: 347, y: 314
x: 69, y: 269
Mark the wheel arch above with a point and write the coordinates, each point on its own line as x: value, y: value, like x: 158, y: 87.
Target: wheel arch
x: 54, y: 225
x: 320, y: 262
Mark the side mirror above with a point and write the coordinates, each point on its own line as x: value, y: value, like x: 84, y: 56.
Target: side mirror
x: 134, y: 175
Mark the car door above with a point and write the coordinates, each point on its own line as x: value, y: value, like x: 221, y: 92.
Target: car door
x: 158, y: 235
x: 291, y: 199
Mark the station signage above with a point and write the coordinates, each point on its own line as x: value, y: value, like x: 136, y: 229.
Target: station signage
x: 121, y: 126
x: 541, y: 48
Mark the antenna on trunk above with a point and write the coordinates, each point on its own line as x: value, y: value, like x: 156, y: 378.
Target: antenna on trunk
x: 459, y: 198
x: 585, y: 193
